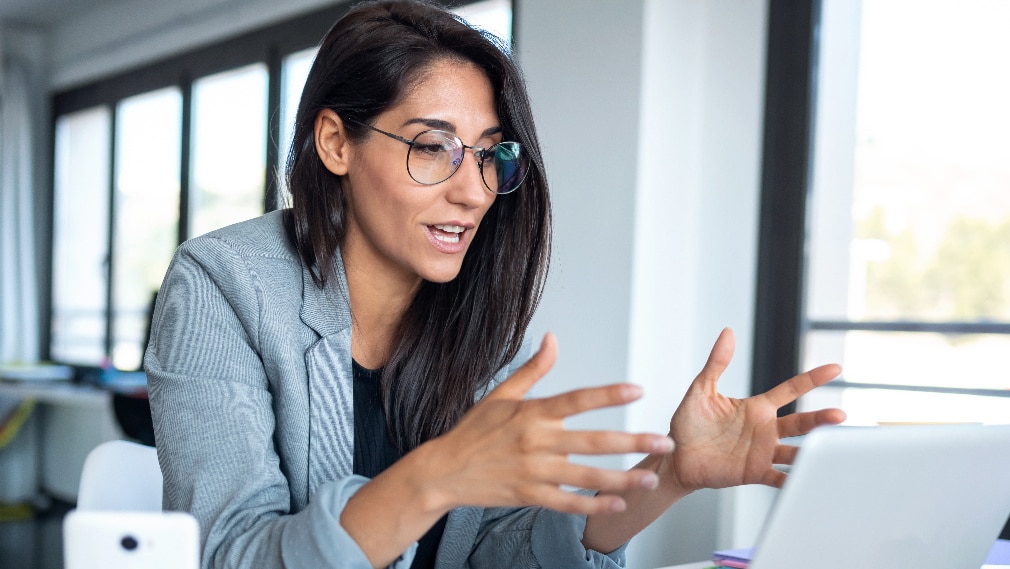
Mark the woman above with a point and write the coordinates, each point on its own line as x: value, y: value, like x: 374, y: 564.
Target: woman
x: 337, y: 385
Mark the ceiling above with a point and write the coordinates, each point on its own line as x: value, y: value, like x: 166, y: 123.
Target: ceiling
x: 45, y: 13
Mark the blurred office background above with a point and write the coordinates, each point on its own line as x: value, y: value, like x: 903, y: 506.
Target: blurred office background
x: 827, y: 177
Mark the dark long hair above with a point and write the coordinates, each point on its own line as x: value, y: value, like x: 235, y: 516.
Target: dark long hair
x: 453, y: 336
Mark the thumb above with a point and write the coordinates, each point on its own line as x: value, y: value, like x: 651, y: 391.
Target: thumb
x: 718, y: 361
x: 519, y: 383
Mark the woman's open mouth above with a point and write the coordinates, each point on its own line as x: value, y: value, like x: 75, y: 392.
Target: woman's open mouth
x: 447, y: 233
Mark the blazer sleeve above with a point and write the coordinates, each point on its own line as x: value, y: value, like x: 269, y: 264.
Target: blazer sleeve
x: 214, y: 425
x: 534, y: 538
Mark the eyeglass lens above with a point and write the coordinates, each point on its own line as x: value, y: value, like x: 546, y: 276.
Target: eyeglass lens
x: 434, y: 156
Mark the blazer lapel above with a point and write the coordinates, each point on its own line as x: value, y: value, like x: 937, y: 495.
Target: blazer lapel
x: 326, y: 310
x: 331, y: 392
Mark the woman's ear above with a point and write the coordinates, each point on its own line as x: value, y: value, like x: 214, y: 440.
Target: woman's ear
x: 332, y: 144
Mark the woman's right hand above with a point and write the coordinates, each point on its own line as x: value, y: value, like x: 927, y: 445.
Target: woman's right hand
x: 506, y: 451
x: 512, y: 451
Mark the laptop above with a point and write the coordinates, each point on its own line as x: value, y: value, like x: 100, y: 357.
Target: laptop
x: 891, y: 497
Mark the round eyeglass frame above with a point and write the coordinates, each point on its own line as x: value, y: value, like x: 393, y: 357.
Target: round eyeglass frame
x: 480, y: 153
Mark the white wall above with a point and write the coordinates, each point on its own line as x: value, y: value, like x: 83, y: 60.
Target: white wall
x: 650, y: 115
x: 583, y: 65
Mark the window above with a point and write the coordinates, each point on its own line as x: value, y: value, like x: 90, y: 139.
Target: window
x: 228, y: 156
x: 145, y: 213
x: 908, y: 279
x: 884, y: 208
x: 80, y: 235
x: 155, y: 156
x: 885, y: 216
x: 295, y: 72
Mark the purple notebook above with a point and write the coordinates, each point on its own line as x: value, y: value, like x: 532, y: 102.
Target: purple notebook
x: 999, y: 554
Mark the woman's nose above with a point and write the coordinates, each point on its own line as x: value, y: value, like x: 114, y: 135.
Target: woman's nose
x: 466, y: 186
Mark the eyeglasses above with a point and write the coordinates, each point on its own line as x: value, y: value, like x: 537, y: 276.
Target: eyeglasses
x: 435, y: 155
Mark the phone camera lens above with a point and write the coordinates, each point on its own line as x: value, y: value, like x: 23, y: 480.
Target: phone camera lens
x: 129, y: 543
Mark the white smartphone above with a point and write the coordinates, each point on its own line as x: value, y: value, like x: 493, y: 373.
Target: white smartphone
x: 95, y: 539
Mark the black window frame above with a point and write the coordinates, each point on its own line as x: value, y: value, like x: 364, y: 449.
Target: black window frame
x: 785, y: 184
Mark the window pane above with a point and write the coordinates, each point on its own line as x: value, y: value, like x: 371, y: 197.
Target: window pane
x: 80, y: 236
x: 928, y: 235
x: 899, y: 358
x: 229, y: 148
x: 910, y: 213
x: 146, y: 224
x: 294, y: 72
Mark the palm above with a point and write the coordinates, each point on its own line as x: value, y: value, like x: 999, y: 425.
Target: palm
x: 723, y: 442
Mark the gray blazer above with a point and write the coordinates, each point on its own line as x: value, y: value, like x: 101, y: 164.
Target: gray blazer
x: 249, y: 368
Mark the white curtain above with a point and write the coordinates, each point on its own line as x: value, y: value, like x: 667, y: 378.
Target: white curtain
x: 19, y: 302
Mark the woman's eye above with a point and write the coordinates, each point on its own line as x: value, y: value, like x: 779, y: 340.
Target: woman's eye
x: 430, y: 149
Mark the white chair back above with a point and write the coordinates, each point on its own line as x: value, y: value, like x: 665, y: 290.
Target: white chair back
x: 121, y: 475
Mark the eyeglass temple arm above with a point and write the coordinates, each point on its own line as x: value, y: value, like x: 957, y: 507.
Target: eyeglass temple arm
x: 380, y: 131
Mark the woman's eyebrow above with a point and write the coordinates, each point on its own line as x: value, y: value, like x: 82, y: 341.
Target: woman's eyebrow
x: 448, y: 126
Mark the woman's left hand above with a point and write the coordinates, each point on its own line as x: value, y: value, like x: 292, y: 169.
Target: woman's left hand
x: 721, y: 442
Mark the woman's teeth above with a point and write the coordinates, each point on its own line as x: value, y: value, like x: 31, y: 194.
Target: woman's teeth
x: 448, y: 233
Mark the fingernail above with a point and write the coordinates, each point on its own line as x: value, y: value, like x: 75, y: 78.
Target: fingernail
x: 662, y: 445
x: 632, y: 391
x: 649, y: 481
x: 617, y: 505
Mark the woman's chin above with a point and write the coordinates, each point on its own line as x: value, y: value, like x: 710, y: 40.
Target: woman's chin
x: 441, y: 272
x: 442, y: 277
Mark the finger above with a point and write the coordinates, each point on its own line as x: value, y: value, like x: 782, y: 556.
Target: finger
x: 797, y: 424
x: 785, y: 454
x: 609, y: 442
x: 581, y: 400
x: 718, y: 360
x: 791, y: 389
x: 519, y: 383
x: 774, y: 478
x: 603, y: 480
x: 550, y: 496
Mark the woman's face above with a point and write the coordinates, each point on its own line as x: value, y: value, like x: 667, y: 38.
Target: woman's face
x: 401, y: 229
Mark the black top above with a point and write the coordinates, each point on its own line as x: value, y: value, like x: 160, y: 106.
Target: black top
x: 374, y: 450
